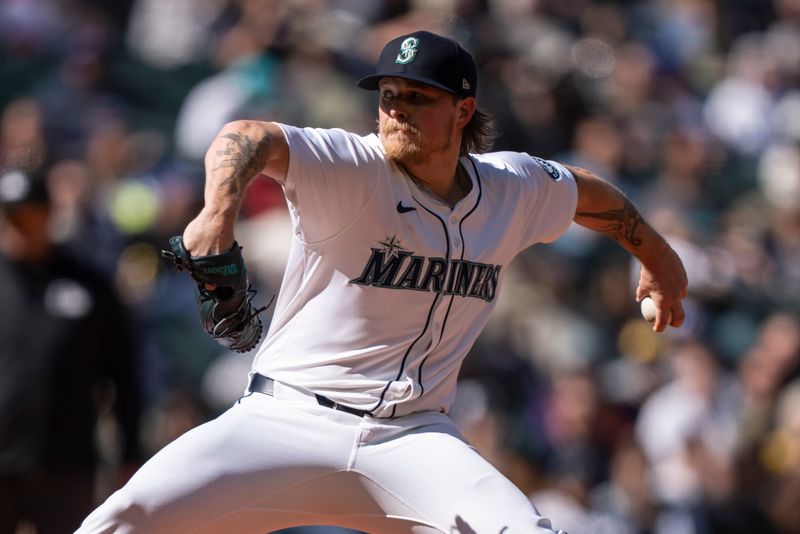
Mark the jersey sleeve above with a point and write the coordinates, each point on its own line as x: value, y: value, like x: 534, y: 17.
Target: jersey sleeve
x: 332, y: 175
x: 549, y: 197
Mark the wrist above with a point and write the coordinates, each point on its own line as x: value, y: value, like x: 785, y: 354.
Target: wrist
x: 210, y: 232
x: 219, y: 216
x: 654, y: 248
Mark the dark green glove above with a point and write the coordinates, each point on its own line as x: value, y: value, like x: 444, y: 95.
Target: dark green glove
x: 226, y: 312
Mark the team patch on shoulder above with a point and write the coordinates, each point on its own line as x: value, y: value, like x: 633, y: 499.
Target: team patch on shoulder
x: 549, y: 169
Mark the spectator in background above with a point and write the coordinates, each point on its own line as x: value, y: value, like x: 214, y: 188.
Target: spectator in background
x: 624, y: 503
x: 695, y: 408
x: 67, y: 363
x: 782, y: 453
x: 21, y: 137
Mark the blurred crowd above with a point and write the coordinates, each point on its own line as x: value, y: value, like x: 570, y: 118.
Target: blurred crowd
x: 691, y: 107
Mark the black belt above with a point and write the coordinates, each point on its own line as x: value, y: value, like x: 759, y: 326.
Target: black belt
x: 266, y: 385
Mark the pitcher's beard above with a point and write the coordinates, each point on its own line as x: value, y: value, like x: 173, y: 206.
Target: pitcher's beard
x: 401, y: 142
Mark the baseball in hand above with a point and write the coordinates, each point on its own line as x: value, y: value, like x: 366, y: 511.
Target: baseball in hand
x: 648, y: 309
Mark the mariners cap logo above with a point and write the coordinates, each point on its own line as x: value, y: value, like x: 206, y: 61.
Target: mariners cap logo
x: 408, y: 49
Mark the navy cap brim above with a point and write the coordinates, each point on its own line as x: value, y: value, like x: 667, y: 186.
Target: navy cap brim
x: 370, y: 83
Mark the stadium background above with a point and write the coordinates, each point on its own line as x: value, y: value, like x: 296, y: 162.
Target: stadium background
x: 692, y: 107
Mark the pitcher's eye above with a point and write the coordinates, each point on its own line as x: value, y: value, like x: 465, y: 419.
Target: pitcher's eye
x: 418, y: 98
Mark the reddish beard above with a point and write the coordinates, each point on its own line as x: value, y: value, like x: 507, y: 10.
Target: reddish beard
x: 401, y: 141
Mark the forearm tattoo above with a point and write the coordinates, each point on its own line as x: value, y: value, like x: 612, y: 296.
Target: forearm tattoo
x: 245, y: 156
x: 621, y: 223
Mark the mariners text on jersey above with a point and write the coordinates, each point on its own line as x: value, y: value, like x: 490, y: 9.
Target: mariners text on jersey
x: 403, y: 270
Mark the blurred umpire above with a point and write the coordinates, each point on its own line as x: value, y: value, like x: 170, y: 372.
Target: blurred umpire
x: 66, y: 357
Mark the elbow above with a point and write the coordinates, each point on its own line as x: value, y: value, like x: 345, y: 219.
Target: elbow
x: 589, y: 188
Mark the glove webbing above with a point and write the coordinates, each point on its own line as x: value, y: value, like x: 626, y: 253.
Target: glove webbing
x: 238, y: 317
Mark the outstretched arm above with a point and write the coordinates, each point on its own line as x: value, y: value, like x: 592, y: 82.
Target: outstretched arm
x: 241, y: 151
x: 605, y: 209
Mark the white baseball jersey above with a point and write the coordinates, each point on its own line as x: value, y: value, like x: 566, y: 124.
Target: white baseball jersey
x: 387, y: 288
x: 385, y: 292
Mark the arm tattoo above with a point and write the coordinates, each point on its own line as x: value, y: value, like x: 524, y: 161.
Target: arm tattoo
x: 245, y: 156
x: 622, y: 223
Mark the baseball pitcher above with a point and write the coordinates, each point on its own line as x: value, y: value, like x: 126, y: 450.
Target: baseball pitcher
x: 401, y: 242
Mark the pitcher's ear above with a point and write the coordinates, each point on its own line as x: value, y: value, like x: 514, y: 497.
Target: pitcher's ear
x: 466, y: 109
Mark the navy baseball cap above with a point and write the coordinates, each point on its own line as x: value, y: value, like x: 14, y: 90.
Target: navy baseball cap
x: 426, y: 58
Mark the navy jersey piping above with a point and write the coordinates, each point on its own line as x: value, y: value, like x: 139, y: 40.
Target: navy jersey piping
x: 463, y: 249
x: 427, y: 320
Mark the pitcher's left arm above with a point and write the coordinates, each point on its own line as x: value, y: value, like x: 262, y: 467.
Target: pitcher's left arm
x: 605, y: 209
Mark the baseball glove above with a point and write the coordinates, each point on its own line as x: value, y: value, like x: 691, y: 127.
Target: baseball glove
x: 226, y: 312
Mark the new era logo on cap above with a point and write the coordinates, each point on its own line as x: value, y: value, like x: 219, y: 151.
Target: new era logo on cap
x: 426, y: 58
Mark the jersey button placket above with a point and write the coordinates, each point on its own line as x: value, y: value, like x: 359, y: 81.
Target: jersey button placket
x: 456, y: 242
